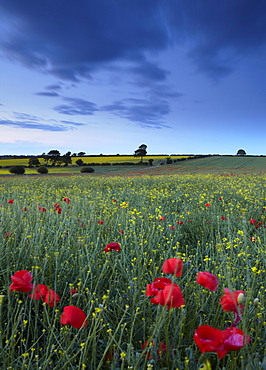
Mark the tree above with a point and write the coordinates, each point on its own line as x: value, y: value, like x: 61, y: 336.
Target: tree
x: 79, y: 162
x: 141, y: 151
x: 34, y: 161
x: 53, y: 156
x: 81, y: 154
x: 17, y: 170
x: 241, y: 152
x: 42, y: 170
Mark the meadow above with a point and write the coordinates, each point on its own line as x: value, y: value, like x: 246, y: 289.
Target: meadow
x: 59, y: 229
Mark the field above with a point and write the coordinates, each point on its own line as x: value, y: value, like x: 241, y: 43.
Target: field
x: 58, y: 229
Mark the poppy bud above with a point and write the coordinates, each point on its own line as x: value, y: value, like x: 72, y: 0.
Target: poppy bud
x: 240, y: 298
x: 256, y: 302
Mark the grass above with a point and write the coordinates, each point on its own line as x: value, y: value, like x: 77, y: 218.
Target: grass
x: 66, y: 251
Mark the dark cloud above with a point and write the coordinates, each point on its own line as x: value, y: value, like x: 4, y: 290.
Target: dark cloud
x: 73, y: 39
x: 54, y: 87
x: 23, y: 120
x: 76, y: 106
x: 144, y: 113
x: 47, y: 93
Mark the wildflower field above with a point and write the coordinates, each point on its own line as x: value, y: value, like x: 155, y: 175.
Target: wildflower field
x: 133, y: 272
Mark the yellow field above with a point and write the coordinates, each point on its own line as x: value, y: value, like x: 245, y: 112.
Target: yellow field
x: 88, y: 159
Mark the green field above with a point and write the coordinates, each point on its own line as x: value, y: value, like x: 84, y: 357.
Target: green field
x: 212, y: 223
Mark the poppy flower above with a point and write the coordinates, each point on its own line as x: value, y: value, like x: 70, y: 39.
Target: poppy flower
x: 223, y: 218
x: 66, y: 200
x: 163, y: 218
x: 229, y: 301
x: 41, y: 209
x: 156, y: 285
x: 8, y: 234
x: 207, y: 204
x: 10, y: 201
x: 21, y: 281
x: 172, y: 227
x: 179, y: 222
x: 24, y: 209
x: 121, y: 231
x: 160, y: 349
x: 100, y: 222
x: 42, y: 292
x: 171, y: 296
x: 252, y: 221
x: 210, y: 339
x: 112, y: 246
x: 173, y: 266
x: 73, y: 291
x: 208, y: 280
x: 73, y: 316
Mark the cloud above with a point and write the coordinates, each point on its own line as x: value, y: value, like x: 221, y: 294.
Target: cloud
x: 71, y: 42
x: 23, y: 120
x: 47, y: 93
x: 76, y: 106
x: 54, y: 87
x: 143, y: 112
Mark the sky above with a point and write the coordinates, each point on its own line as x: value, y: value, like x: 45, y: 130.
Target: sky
x: 105, y: 76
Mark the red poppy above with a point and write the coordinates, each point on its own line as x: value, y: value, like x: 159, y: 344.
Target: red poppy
x: 41, y: 209
x: 210, y: 339
x: 223, y: 218
x: 156, y: 285
x: 179, y: 222
x: 8, y: 234
x: 220, y: 198
x: 10, y: 201
x: 73, y: 291
x: 172, y: 227
x: 56, y: 205
x: 21, y: 281
x: 160, y: 349
x: 112, y: 246
x: 100, y: 222
x: 24, y: 209
x: 208, y: 280
x: 171, y: 296
x: 229, y: 301
x: 252, y: 221
x: 163, y: 218
x: 67, y: 200
x: 121, y: 231
x: 114, y: 200
x: 173, y: 266
x: 49, y: 296
x: 73, y: 316
x: 207, y: 204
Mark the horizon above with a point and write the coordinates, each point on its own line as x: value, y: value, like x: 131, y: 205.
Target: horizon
x: 104, y: 78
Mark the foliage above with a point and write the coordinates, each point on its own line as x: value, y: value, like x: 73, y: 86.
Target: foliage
x: 17, y: 170
x: 141, y: 151
x: 87, y: 169
x: 79, y: 162
x: 42, y: 170
x: 151, y: 219
x: 241, y: 152
x: 34, y: 161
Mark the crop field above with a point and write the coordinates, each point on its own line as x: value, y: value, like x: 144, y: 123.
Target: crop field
x: 161, y: 271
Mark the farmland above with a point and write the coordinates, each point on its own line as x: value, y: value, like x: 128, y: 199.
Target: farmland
x: 58, y: 229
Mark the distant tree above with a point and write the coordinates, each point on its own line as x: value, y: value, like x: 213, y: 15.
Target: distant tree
x: 17, y: 170
x: 87, y: 169
x: 241, y: 152
x: 42, y: 170
x: 66, y: 159
x: 79, y: 162
x: 81, y: 154
x: 74, y: 154
x: 53, y: 156
x: 141, y: 152
x: 34, y: 161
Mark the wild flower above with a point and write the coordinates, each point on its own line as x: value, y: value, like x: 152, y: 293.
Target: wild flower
x: 73, y: 316
x: 21, y: 281
x: 207, y: 280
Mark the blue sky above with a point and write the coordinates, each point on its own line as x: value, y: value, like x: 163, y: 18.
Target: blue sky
x: 101, y: 76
